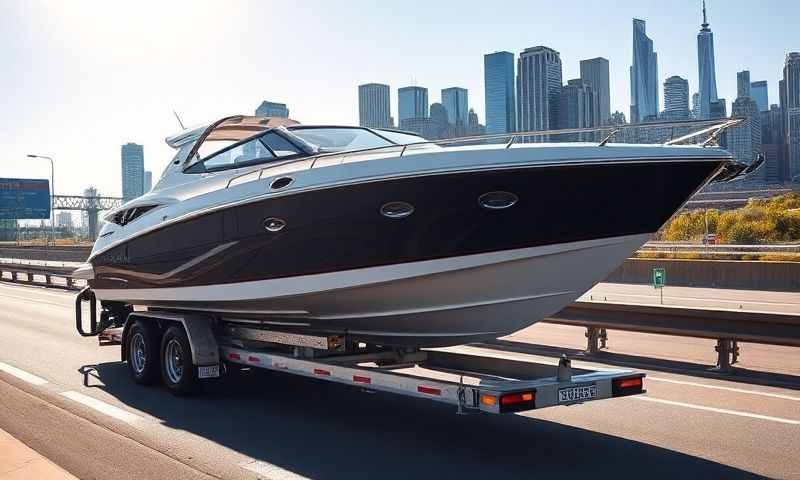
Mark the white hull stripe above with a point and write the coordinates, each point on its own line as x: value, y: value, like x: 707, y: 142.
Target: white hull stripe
x: 291, y: 286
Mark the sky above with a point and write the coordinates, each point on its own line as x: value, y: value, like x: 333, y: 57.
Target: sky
x: 81, y: 78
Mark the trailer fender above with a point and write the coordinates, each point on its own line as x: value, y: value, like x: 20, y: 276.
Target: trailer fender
x: 205, y: 350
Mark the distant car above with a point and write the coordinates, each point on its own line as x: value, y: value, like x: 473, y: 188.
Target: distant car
x: 709, y: 239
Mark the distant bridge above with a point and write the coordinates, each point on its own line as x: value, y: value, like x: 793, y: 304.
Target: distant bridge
x: 91, y: 205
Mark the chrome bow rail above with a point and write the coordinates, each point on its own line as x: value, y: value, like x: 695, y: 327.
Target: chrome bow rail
x: 712, y: 128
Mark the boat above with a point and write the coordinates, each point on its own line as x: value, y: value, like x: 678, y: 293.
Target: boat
x: 383, y: 236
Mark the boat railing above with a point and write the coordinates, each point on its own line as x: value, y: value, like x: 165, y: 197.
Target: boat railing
x: 675, y: 132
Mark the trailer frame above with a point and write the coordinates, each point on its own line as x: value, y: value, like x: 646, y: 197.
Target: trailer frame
x: 475, y: 381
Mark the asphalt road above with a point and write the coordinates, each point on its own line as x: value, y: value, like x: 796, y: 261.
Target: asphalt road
x: 73, y: 402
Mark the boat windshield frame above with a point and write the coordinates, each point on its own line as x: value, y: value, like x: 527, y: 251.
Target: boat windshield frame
x: 304, y: 147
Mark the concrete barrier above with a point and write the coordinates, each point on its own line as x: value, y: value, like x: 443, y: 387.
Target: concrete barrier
x: 59, y: 254
x: 777, y: 276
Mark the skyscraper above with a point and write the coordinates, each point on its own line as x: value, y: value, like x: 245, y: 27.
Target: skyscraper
x: 791, y: 80
x: 456, y: 103
x: 719, y: 109
x: 676, y: 98
x: 577, y: 108
x: 498, y: 81
x: 538, y: 88
x: 64, y: 219
x: 373, y: 105
x: 696, y: 105
x: 594, y: 72
x: 148, y: 181
x: 743, y: 84
x: 773, y: 145
x: 132, y: 171
x: 272, y: 109
x: 758, y: 92
x: 644, y: 76
x: 705, y: 64
x: 744, y: 140
x: 412, y: 102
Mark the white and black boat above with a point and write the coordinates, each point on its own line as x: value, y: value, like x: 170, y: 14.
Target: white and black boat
x: 383, y: 236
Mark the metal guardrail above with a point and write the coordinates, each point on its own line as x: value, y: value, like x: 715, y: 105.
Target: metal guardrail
x: 14, y: 272
x: 726, y: 326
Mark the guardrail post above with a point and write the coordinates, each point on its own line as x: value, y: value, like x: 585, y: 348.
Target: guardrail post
x: 70, y: 283
x: 727, y: 355
x: 47, y: 280
x: 592, y: 338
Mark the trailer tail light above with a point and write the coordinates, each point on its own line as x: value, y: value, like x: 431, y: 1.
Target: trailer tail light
x: 360, y: 379
x: 515, y: 398
x: 319, y: 371
x: 627, y: 386
x: 429, y: 390
x: 488, y: 400
x: 517, y: 402
x: 234, y: 356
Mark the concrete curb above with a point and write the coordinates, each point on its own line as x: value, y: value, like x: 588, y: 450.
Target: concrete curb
x: 18, y: 461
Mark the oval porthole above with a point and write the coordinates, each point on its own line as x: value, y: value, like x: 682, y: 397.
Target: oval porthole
x: 280, y: 183
x: 497, y: 200
x: 273, y: 224
x: 397, y: 209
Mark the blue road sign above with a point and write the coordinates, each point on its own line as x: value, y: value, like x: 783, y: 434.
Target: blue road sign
x: 24, y: 198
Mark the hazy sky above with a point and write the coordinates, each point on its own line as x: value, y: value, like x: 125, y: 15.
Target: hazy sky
x: 80, y: 78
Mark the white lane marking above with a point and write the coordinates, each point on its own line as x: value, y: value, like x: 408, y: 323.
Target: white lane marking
x: 720, y: 410
x: 102, y: 407
x: 271, y: 471
x: 22, y: 375
x: 727, y: 389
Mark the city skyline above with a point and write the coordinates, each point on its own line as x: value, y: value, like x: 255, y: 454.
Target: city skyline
x: 90, y: 79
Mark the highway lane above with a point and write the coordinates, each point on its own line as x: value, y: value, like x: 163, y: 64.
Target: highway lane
x: 278, y: 426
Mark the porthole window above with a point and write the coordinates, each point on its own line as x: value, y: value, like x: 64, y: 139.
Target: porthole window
x: 497, y: 200
x: 397, y: 209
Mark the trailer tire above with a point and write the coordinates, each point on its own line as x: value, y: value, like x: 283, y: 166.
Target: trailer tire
x: 178, y: 372
x: 143, y: 341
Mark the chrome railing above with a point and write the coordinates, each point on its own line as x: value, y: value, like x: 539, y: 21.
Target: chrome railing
x: 712, y: 128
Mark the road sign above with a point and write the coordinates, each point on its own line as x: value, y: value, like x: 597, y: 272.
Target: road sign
x: 24, y: 198
x: 659, y: 277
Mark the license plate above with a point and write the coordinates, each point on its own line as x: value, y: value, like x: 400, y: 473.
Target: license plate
x: 211, y: 371
x: 576, y: 394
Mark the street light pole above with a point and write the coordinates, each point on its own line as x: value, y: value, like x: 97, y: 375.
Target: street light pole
x: 53, y: 190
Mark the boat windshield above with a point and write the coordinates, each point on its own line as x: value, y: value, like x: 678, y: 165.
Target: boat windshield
x: 338, y: 139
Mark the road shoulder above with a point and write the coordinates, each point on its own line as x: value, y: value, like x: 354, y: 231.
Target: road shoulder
x: 18, y: 461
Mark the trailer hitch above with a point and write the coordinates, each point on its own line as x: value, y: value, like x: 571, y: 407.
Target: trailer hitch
x: 95, y: 328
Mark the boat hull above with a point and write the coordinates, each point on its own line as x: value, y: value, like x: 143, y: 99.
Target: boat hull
x: 452, y: 271
x: 431, y: 303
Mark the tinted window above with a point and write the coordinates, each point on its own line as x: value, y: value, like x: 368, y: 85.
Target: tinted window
x: 339, y: 139
x: 401, y: 138
x: 279, y: 145
x: 262, y: 149
x: 240, y: 155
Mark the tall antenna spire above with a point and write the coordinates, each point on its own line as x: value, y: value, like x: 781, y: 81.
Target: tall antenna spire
x: 705, y: 20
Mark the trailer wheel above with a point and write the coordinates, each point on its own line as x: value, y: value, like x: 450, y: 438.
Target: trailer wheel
x: 177, y: 370
x: 143, y: 358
